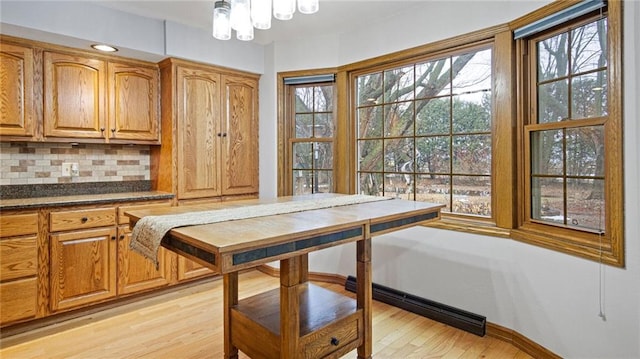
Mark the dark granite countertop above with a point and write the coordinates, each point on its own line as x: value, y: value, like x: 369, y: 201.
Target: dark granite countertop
x: 70, y: 194
x: 39, y: 202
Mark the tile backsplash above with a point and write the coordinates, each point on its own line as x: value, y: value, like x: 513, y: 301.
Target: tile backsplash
x: 41, y: 163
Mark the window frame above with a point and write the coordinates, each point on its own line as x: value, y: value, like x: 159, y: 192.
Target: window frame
x: 450, y: 52
x: 503, y: 123
x: 286, y: 126
x: 607, y: 247
x: 508, y: 160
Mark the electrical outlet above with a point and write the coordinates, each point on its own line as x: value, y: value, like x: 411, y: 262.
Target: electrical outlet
x: 66, y: 169
x: 75, y: 170
x: 70, y: 169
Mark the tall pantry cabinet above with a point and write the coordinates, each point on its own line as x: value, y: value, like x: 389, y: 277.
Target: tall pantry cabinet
x: 209, y: 130
x: 209, y: 133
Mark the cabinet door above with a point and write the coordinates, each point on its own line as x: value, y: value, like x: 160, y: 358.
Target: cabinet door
x: 18, y: 299
x: 240, y: 145
x: 83, y: 267
x: 74, y: 96
x: 198, y: 132
x: 135, y: 272
x: 133, y: 102
x: 188, y: 269
x: 16, y: 91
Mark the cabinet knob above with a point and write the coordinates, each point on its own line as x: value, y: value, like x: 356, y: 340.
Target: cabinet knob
x: 113, y: 238
x: 121, y: 236
x: 219, y: 134
x: 224, y: 134
x: 113, y: 130
x: 101, y: 129
x: 335, y: 342
x: 84, y: 219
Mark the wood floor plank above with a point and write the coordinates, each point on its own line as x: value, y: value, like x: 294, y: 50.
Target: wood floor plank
x: 187, y: 324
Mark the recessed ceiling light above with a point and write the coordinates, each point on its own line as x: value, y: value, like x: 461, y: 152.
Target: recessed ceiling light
x: 105, y: 48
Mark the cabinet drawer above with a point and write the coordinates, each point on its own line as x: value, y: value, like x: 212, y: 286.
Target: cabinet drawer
x: 18, y: 224
x: 81, y: 219
x: 341, y: 336
x: 123, y: 219
x: 18, y: 299
x: 18, y: 258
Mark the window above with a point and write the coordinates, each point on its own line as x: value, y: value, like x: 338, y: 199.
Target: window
x: 571, y: 138
x: 424, y: 131
x: 518, y: 138
x: 309, y: 132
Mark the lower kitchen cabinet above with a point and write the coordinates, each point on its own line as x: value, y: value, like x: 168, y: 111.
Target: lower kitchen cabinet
x: 188, y: 269
x: 18, y: 300
x: 93, y: 265
x: 18, y: 266
x: 57, y: 259
x: 83, y: 267
x: 137, y: 273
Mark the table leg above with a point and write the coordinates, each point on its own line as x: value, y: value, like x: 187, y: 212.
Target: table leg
x: 290, y: 276
x: 230, y: 292
x: 304, y: 268
x: 364, y: 294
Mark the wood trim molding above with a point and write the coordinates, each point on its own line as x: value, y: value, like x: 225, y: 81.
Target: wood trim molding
x: 283, y: 131
x: 431, y: 48
x: 470, y: 226
x: 520, y: 341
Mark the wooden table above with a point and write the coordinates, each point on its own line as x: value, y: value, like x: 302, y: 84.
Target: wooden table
x: 299, y: 319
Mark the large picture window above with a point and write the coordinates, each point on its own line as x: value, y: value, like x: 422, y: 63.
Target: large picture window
x: 424, y: 131
x: 516, y: 129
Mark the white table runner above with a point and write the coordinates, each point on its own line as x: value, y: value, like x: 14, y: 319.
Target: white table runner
x: 149, y: 231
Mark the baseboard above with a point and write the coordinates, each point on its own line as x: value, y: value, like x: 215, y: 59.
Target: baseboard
x: 446, y: 314
x: 492, y: 330
x: 520, y: 341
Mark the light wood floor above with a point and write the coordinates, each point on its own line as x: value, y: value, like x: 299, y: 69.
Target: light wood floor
x: 188, y: 324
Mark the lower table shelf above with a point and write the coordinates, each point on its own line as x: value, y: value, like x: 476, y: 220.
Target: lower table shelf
x: 330, y: 324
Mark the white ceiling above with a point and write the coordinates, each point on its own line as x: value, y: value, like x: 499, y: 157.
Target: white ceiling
x: 334, y: 16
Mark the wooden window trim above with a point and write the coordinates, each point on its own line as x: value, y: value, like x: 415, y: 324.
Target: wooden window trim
x: 508, y: 159
x: 499, y: 38
x: 285, y: 131
x: 606, y: 248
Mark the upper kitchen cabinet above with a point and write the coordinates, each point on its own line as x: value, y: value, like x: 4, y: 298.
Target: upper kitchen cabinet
x: 17, y: 118
x: 133, y: 102
x: 89, y: 98
x: 74, y: 96
x: 209, y: 132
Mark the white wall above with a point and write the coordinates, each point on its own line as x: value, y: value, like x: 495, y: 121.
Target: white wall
x: 82, y: 23
x: 549, y: 297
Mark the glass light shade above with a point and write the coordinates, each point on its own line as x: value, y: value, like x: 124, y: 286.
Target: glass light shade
x: 261, y: 14
x: 284, y: 9
x: 245, y: 33
x: 108, y: 48
x: 308, y: 6
x: 240, y: 14
x: 221, y: 23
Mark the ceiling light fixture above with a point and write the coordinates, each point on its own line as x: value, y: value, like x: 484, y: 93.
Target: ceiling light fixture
x: 103, y: 47
x: 245, y: 15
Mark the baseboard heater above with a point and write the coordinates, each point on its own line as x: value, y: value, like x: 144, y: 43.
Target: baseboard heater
x: 458, y: 318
